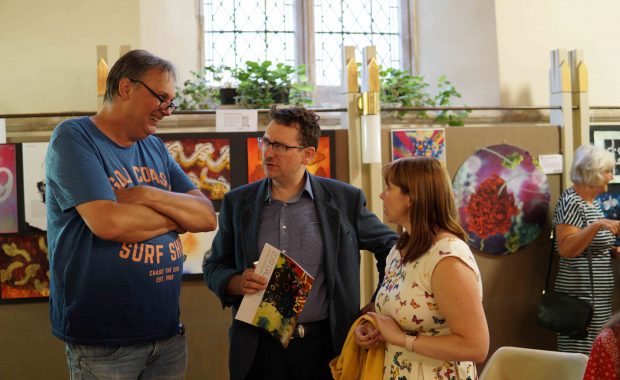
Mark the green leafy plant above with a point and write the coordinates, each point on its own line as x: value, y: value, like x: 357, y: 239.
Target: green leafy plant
x: 445, y: 92
x: 407, y: 90
x: 399, y: 86
x: 197, y: 93
x: 260, y: 84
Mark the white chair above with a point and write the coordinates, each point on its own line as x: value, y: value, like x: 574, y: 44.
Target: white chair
x: 512, y: 363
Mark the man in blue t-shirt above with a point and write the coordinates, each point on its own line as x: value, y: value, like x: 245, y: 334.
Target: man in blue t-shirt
x: 116, y: 201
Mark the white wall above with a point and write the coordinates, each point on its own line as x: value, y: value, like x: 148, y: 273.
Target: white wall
x: 48, y: 49
x: 527, y: 30
x: 169, y: 29
x: 457, y: 39
x: 496, y: 52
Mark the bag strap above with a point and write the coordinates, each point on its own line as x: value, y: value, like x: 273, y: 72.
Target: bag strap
x: 552, y: 237
x: 588, y: 254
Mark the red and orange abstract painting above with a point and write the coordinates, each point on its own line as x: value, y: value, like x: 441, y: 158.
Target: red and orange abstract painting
x: 205, y: 161
x: 320, y: 165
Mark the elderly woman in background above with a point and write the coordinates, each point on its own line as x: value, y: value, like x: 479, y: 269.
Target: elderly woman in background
x: 429, y: 307
x: 579, y: 226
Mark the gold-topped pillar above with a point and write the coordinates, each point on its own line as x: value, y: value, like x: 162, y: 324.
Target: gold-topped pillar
x: 560, y: 89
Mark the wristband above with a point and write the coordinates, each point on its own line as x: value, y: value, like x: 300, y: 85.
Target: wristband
x: 409, y: 342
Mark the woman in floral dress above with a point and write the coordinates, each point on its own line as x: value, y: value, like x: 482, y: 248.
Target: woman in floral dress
x: 429, y: 307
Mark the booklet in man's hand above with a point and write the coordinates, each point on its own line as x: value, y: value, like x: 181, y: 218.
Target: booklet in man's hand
x: 277, y: 308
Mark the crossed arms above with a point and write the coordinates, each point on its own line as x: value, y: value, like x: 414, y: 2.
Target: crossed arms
x: 143, y: 212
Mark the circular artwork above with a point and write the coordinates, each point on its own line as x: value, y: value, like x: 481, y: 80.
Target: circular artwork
x: 502, y: 197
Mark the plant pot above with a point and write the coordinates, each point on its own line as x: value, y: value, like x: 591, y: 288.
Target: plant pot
x: 228, y: 96
x: 280, y: 95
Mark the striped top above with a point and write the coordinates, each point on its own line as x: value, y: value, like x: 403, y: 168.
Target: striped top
x: 574, y: 274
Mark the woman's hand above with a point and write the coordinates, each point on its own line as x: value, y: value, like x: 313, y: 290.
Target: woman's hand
x: 611, y: 225
x: 366, y: 335
x: 615, y: 252
x: 389, y: 329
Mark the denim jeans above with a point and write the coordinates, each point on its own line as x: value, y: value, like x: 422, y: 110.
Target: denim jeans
x: 164, y: 359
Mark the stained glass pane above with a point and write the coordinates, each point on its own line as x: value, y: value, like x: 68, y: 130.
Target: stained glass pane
x: 358, y: 23
x: 240, y: 30
x: 237, y: 31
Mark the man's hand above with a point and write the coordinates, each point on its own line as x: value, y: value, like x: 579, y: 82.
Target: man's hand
x: 247, y: 282
x: 191, y: 211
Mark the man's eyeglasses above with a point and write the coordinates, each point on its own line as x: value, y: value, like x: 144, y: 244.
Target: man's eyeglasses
x: 163, y: 104
x: 278, y: 148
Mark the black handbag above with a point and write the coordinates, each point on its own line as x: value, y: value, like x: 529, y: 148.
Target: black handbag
x: 563, y: 313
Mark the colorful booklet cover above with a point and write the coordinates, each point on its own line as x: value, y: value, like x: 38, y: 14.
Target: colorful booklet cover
x: 277, y: 308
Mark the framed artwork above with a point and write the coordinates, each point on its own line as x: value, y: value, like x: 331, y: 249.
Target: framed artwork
x: 429, y: 142
x: 33, y: 161
x: 205, y: 160
x: 608, y: 137
x: 502, y: 197
x: 195, y: 247
x: 24, y: 267
x: 610, y: 204
x: 320, y: 165
x: 8, y: 189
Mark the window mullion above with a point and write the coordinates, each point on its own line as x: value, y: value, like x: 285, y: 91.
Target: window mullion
x: 200, y: 24
x: 304, y: 37
x: 408, y: 41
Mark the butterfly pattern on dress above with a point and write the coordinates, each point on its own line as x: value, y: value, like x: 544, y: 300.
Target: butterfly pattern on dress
x: 406, y: 295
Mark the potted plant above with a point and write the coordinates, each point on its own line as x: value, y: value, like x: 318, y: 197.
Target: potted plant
x: 196, y: 92
x: 402, y: 89
x: 260, y: 84
x: 447, y: 91
x: 228, y: 94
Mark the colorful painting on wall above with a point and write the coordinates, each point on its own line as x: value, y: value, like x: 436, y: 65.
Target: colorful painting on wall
x: 502, y: 197
x: 609, y: 139
x: 610, y: 204
x: 195, y: 247
x: 320, y: 165
x: 419, y: 142
x: 8, y: 189
x: 206, y: 162
x: 33, y: 159
x: 24, y: 267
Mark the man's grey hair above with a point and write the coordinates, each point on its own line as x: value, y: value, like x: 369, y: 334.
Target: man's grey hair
x: 134, y: 64
x: 589, y: 165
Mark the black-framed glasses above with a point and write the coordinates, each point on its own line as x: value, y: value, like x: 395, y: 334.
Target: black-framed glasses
x: 163, y: 104
x: 278, y: 148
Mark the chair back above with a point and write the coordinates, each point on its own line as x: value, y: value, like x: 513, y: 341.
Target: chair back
x: 508, y: 363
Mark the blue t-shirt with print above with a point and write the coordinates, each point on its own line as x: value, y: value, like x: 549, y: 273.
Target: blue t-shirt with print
x: 106, y: 292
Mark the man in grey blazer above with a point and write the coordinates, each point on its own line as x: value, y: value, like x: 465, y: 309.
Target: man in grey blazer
x: 322, y: 224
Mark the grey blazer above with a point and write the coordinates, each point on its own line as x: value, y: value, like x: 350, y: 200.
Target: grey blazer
x: 347, y: 227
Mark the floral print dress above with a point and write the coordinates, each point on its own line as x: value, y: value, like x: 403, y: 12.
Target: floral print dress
x: 406, y: 295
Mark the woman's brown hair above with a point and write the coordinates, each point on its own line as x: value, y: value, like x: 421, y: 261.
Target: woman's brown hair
x: 426, y: 182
